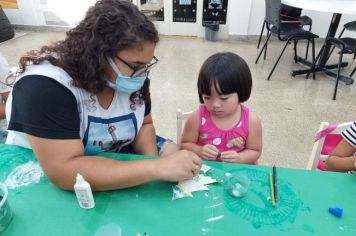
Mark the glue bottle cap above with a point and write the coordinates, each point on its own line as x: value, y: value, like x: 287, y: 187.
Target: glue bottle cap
x: 79, y: 178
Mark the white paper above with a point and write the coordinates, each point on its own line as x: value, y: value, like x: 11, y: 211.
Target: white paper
x: 198, y: 183
x: 205, y: 168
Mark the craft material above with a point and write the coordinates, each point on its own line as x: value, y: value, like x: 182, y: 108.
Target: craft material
x: 5, y: 211
x: 197, y: 183
x: 205, y: 168
x: 271, y: 189
x: 185, y: 188
x: 218, y: 155
x: 83, y: 192
x: 336, y: 211
x: 275, y: 190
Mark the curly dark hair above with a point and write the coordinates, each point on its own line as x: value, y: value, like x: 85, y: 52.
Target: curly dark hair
x: 108, y: 27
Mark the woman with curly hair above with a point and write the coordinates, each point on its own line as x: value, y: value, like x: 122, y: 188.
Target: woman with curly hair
x: 90, y: 93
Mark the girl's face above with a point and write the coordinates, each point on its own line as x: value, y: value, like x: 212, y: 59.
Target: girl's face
x: 221, y: 105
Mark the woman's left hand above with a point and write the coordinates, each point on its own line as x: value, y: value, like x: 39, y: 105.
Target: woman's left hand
x: 230, y: 156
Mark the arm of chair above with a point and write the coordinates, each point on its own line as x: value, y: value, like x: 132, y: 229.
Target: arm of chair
x: 336, y: 42
x: 290, y: 17
x: 291, y: 22
x: 302, y: 35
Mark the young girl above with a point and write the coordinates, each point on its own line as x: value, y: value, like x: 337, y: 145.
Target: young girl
x: 343, y: 158
x: 223, y: 129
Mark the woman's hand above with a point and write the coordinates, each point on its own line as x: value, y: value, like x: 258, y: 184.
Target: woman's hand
x: 230, y: 156
x: 178, y: 166
x: 209, y: 152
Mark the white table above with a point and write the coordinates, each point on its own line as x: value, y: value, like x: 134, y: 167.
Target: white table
x: 338, y: 7
x: 334, y: 6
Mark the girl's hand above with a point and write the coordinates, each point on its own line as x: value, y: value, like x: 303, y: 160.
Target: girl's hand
x: 230, y: 156
x: 209, y: 152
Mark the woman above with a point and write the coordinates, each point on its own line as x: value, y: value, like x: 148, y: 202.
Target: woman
x: 90, y: 93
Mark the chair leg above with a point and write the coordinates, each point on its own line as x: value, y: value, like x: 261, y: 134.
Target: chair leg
x: 331, y: 51
x: 313, y: 55
x: 338, y: 75
x: 295, y: 51
x: 275, y: 64
x: 352, y: 73
x: 265, y: 52
x: 315, y: 60
x: 263, y: 48
x: 259, y: 40
x: 307, y: 51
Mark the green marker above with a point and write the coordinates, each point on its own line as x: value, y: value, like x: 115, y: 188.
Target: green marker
x: 271, y: 188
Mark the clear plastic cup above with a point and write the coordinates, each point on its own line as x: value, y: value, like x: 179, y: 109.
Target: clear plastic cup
x: 237, y: 184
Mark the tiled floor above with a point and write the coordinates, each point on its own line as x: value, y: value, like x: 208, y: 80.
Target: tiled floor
x: 291, y: 109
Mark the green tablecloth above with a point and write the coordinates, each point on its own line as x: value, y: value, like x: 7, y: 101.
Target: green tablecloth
x: 40, y: 208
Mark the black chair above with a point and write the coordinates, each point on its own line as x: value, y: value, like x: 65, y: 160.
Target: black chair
x: 290, y: 15
x: 350, y: 26
x: 346, y: 45
x: 284, y: 32
x: 6, y: 29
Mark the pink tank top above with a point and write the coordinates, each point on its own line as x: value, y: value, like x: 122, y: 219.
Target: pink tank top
x: 231, y: 139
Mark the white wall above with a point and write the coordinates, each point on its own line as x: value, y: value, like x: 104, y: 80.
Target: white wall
x: 239, y: 17
x: 321, y: 22
x: 48, y: 12
x: 245, y: 17
x: 28, y: 13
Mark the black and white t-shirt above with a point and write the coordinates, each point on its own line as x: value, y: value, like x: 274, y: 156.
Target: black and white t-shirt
x: 350, y: 134
x: 45, y: 104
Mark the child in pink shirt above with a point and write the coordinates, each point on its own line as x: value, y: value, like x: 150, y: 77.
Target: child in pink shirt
x: 222, y: 128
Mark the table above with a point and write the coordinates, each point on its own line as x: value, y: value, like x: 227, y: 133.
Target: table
x: 337, y: 7
x: 8, y: 4
x: 305, y: 196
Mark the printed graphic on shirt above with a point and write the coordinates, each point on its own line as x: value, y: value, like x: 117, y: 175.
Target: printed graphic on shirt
x: 203, y: 137
x: 217, y: 141
x: 109, y: 135
x: 236, y: 142
x: 203, y: 121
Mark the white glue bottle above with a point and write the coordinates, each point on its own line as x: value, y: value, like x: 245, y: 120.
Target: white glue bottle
x: 84, y: 194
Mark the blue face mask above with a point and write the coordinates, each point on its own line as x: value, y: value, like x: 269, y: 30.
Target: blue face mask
x: 124, y: 83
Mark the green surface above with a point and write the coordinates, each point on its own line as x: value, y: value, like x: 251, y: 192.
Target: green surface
x: 302, y: 207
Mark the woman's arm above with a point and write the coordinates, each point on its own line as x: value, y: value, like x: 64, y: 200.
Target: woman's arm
x: 190, y: 138
x: 342, y: 158
x: 2, y: 105
x: 253, y: 148
x: 61, y: 160
x: 145, y: 142
x: 51, y: 121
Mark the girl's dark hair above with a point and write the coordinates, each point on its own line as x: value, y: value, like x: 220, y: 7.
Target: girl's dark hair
x: 227, y: 70
x: 108, y: 27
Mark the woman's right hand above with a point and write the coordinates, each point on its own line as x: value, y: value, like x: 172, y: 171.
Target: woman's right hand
x: 178, y: 166
x: 209, y: 152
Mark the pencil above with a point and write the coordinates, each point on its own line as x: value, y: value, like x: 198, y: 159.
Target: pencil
x: 271, y: 188
x: 275, y: 190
